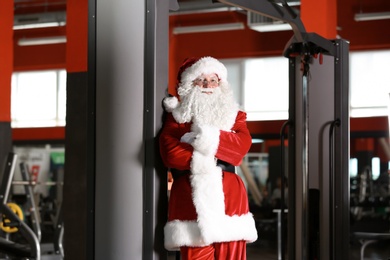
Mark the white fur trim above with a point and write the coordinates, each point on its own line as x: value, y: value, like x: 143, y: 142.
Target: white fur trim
x: 205, y: 65
x: 207, y: 167
x: 182, y: 233
x: 229, y: 228
x: 170, y: 103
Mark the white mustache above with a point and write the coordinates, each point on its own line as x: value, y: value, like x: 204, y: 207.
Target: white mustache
x: 207, y: 90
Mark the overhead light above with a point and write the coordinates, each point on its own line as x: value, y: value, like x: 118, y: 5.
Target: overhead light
x: 262, y: 23
x: 257, y: 141
x: 372, y: 16
x: 39, y: 20
x: 41, y: 41
x: 191, y: 9
x: 273, y: 27
x: 38, y: 25
x: 208, y: 28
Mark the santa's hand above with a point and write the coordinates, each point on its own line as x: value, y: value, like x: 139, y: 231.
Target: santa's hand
x: 188, y: 137
x: 207, y: 139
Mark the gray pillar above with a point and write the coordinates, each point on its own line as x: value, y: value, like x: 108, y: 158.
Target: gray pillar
x: 120, y: 46
x: 131, y: 78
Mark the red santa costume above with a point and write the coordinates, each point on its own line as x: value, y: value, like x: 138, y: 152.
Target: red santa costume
x: 208, y: 202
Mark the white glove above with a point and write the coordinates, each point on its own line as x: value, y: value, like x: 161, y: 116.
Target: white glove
x: 188, y: 137
x: 207, y: 139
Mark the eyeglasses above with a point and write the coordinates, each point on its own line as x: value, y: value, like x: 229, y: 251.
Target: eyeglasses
x: 213, y: 82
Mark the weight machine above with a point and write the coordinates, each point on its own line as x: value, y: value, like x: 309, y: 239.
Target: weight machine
x: 32, y: 248
x: 318, y: 139
x: 26, y: 243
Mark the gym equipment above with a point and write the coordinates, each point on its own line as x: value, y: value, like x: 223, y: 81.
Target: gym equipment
x: 30, y: 250
x: 318, y: 102
x: 6, y: 225
x: 56, y: 246
x: 34, y: 183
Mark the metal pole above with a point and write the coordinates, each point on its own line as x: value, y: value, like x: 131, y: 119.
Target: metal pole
x: 305, y: 156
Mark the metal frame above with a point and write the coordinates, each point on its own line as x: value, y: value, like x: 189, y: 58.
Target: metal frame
x: 341, y: 233
x: 333, y: 214
x: 155, y: 202
x: 300, y: 50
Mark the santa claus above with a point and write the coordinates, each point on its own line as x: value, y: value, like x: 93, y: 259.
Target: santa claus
x: 203, y: 138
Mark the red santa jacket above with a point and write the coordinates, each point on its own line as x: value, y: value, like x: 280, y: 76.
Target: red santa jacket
x: 206, y: 204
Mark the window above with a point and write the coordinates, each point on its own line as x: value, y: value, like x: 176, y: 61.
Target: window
x: 261, y: 85
x: 38, y: 98
x: 369, y: 83
x: 375, y: 167
x: 266, y: 88
x: 353, y: 167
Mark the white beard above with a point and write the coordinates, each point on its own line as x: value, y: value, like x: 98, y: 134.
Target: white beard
x: 217, y: 109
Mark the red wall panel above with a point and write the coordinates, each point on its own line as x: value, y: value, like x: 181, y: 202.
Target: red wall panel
x: 38, y: 133
x: 367, y: 34
x: 77, y: 36
x: 6, y: 63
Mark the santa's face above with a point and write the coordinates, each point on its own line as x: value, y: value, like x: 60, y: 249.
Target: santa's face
x: 205, y: 96
x: 207, y: 82
x: 206, y: 101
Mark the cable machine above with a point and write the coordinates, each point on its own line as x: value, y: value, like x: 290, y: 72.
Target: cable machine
x: 318, y: 139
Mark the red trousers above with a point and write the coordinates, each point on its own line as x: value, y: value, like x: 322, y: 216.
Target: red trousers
x: 235, y: 250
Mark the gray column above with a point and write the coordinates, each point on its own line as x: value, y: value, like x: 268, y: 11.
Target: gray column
x: 120, y: 38
x: 131, y: 76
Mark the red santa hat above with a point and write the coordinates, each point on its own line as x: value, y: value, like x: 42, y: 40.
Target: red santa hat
x: 193, y: 68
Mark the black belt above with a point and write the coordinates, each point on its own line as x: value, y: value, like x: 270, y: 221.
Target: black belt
x: 224, y: 166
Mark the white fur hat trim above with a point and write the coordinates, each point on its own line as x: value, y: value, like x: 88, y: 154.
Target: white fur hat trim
x: 205, y: 65
x: 170, y: 103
